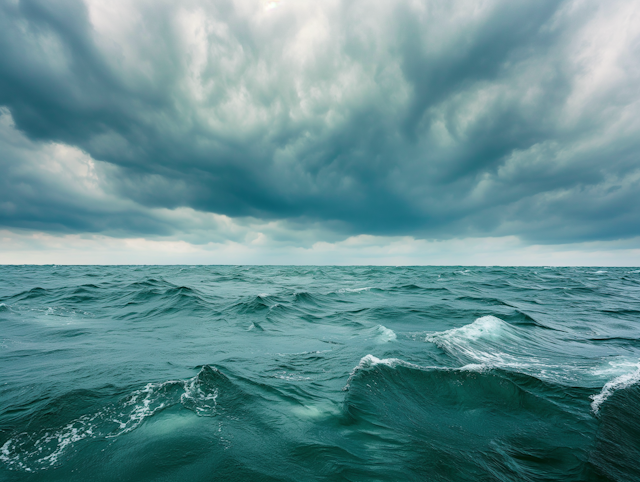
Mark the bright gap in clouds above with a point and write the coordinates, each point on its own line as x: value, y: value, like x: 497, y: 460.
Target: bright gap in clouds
x: 42, y: 248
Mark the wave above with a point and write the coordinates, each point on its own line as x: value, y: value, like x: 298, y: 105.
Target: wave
x: 417, y: 288
x: 467, y: 416
x: 73, y: 294
x: 532, y: 350
x: 486, y: 327
x: 483, y: 300
x: 615, y: 450
x: 30, y: 294
x: 369, y: 361
x: 155, y: 298
x: 36, y: 451
x: 140, y: 299
x: 489, y: 342
x: 446, y: 393
x: 619, y: 383
x: 482, y: 341
x: 306, y: 299
x: 385, y: 334
x: 253, y: 305
x: 301, y: 302
x: 255, y: 326
x: 352, y: 290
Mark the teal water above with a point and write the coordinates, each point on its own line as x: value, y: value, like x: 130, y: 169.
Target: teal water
x: 316, y: 373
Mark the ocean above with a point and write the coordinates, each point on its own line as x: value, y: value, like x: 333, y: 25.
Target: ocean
x: 243, y: 373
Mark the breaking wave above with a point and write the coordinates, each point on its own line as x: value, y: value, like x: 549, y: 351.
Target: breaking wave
x: 41, y: 450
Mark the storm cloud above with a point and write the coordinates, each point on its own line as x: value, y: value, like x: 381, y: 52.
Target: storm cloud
x: 430, y: 119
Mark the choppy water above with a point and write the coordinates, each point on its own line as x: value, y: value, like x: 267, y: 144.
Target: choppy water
x: 309, y: 373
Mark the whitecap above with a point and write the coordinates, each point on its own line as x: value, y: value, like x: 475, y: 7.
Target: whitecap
x: 291, y: 377
x: 41, y: 450
x: 475, y: 367
x: 48, y: 447
x: 488, y: 327
x: 370, y: 361
x: 619, y: 383
x: 491, y: 342
x: 615, y: 368
x: 353, y: 290
x: 198, y: 399
x: 140, y: 405
x: 386, y: 335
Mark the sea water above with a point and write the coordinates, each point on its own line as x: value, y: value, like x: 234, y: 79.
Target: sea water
x: 319, y: 373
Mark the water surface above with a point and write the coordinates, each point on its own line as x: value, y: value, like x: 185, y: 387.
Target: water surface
x: 319, y: 373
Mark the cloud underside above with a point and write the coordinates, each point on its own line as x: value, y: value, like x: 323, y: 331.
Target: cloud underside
x: 320, y: 121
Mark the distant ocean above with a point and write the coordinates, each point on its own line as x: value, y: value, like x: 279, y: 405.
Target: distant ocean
x: 238, y: 373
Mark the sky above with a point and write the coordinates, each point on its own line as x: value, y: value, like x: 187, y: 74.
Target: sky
x: 419, y: 132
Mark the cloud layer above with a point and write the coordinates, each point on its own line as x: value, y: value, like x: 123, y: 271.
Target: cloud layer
x: 317, y: 121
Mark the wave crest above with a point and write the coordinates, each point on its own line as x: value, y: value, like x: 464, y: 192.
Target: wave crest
x: 41, y: 450
x: 618, y: 383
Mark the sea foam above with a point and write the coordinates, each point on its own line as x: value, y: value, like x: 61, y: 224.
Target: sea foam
x: 480, y: 341
x: 485, y: 327
x: 41, y: 450
x: 370, y: 361
x: 618, y: 383
x: 385, y: 334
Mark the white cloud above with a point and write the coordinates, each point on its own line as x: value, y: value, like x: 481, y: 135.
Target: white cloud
x: 23, y: 247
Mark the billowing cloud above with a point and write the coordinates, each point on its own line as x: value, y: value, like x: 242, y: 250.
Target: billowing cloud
x: 312, y: 122
x: 59, y: 189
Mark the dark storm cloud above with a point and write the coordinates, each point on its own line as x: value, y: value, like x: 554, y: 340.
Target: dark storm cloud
x: 417, y: 118
x: 56, y: 188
